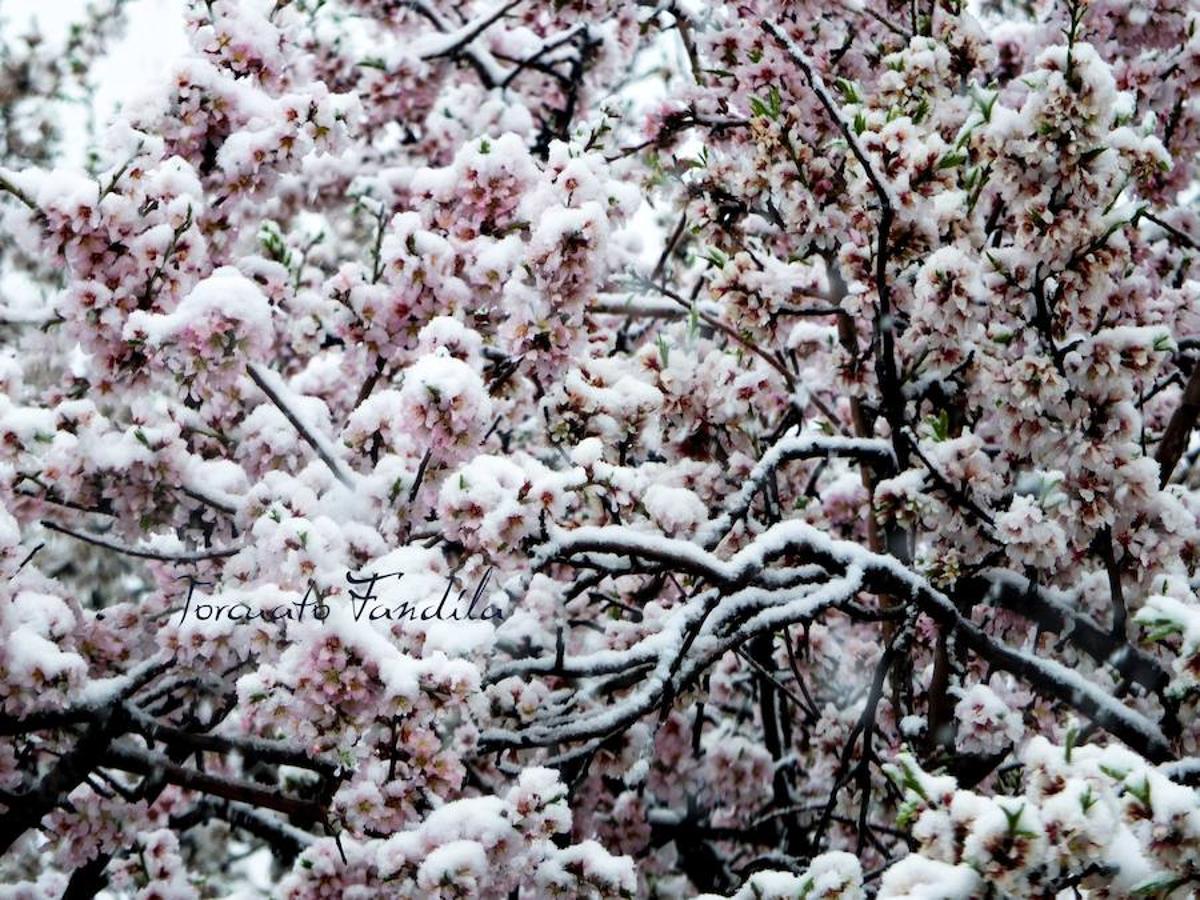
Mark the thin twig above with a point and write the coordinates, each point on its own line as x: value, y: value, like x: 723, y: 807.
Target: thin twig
x: 95, y: 540
x: 264, y: 378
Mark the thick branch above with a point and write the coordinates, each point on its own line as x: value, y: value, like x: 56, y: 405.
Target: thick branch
x: 68, y: 773
x: 793, y: 446
x: 140, y: 762
x: 285, y: 840
x: 254, y: 748
x: 1052, y: 613
x: 882, y: 575
x: 95, y: 708
x: 1179, y: 429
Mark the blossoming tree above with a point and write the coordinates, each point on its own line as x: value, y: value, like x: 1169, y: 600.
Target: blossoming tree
x: 605, y: 449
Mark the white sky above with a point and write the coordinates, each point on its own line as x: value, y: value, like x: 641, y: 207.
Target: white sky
x: 155, y: 36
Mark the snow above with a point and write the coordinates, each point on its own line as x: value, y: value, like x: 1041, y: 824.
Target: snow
x: 782, y: 608
x: 461, y: 638
x: 597, y: 865
x: 811, y: 333
x: 434, y: 45
x: 588, y: 452
x: 792, y: 534
x: 918, y: 878
x: 226, y: 294
x: 675, y: 510
x: 832, y: 872
x: 792, y: 446
x: 283, y: 397
x: 440, y: 374
x: 450, y: 861
x: 637, y: 773
x: 99, y: 691
x: 482, y: 818
x: 221, y: 480
x: 31, y: 656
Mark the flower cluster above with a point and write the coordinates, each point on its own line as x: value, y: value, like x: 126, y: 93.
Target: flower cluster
x: 815, y: 428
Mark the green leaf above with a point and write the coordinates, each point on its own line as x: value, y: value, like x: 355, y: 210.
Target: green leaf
x: 1141, y: 793
x: 1162, y: 632
x: 1088, y: 800
x: 987, y: 104
x: 1163, y: 343
x: 1013, y: 818
x: 1113, y: 772
x: 716, y: 257
x: 921, y: 112
x: 769, y: 108
x: 1160, y: 885
x: 940, y: 425
x: 849, y: 91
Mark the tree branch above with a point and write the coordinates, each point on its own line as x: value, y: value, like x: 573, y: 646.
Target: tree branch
x: 272, y: 385
x: 141, y: 762
x: 889, y: 381
x: 97, y: 541
x: 1179, y: 428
